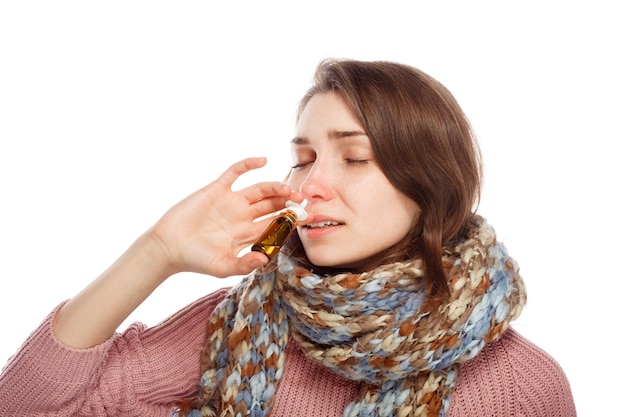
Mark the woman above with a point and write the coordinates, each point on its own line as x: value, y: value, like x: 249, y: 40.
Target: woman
x: 392, y: 299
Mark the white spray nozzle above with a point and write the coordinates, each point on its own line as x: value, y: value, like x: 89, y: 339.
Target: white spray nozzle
x: 298, y: 208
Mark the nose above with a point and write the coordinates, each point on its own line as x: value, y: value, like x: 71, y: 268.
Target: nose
x: 318, y: 183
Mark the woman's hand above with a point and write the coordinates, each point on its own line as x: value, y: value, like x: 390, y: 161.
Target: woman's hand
x: 203, y: 233
x: 206, y: 231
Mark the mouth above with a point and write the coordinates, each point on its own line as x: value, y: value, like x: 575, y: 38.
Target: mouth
x: 320, y: 225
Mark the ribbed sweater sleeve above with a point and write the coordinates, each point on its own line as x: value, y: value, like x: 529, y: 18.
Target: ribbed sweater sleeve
x: 141, y: 371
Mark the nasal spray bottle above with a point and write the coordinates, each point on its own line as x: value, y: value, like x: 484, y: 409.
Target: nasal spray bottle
x: 280, y: 229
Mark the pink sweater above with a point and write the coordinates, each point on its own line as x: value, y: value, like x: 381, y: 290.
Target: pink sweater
x: 144, y: 370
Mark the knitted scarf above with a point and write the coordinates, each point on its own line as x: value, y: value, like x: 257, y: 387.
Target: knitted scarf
x: 378, y: 328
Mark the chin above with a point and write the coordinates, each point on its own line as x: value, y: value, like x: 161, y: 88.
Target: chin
x: 325, y: 259
x: 331, y: 260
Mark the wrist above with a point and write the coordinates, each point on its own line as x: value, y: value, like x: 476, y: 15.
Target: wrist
x: 155, y: 256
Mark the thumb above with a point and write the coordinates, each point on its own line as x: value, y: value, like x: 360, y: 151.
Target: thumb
x: 250, y: 261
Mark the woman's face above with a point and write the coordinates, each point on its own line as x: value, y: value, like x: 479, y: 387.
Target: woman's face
x: 354, y: 211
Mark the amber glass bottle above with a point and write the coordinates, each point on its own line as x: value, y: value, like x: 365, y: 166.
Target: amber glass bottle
x: 280, y: 229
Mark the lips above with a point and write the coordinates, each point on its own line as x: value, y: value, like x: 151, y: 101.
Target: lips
x: 319, y: 221
x: 320, y: 226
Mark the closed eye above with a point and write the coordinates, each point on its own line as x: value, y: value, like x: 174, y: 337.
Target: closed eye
x: 301, y: 164
x: 357, y: 161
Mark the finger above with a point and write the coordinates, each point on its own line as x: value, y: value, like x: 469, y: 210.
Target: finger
x: 237, y: 169
x: 272, y: 205
x: 253, y: 260
x: 245, y: 264
x: 263, y: 190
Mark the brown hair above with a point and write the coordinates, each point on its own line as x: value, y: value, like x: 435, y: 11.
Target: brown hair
x: 424, y: 145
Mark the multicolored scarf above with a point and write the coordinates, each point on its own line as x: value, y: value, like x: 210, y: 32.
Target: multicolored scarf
x: 378, y: 328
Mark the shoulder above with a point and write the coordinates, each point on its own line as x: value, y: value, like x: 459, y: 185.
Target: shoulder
x: 513, y: 376
x: 202, y: 306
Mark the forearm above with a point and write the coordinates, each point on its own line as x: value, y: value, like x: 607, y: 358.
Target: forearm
x: 94, y: 314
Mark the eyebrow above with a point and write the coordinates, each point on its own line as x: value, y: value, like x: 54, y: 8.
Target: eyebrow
x: 332, y: 134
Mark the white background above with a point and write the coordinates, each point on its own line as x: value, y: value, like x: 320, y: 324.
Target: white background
x: 110, y: 112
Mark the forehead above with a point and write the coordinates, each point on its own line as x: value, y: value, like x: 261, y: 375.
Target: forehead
x: 329, y: 115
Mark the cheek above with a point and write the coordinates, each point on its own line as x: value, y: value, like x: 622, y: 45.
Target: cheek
x: 407, y: 211
x: 376, y: 192
x: 392, y: 209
